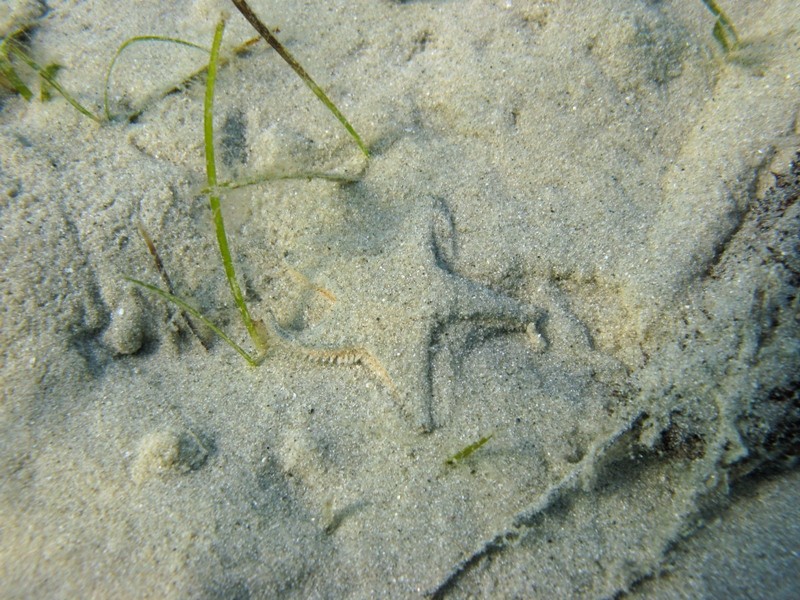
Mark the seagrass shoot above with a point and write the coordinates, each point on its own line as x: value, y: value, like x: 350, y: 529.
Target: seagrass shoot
x: 255, y: 328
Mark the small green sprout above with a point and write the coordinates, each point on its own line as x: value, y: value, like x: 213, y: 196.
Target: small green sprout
x: 468, y: 451
x: 45, y: 93
x: 724, y: 31
x: 10, y: 78
x: 8, y: 75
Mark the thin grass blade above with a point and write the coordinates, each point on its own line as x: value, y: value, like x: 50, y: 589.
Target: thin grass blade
x: 183, y: 305
x: 126, y: 44
x: 262, y: 29
x: 213, y: 196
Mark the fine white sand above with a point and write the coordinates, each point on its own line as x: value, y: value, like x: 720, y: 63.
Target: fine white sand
x: 568, y: 238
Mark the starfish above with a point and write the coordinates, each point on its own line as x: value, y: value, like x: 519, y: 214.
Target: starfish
x: 388, y: 307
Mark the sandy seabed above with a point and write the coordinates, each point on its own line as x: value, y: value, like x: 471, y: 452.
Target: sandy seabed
x: 576, y: 239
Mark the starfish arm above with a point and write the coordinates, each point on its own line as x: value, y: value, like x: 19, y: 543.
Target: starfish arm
x: 410, y: 369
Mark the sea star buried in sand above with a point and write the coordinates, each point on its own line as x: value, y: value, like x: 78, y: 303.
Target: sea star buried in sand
x: 390, y: 306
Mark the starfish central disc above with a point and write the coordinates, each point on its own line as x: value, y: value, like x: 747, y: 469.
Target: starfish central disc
x: 389, y: 305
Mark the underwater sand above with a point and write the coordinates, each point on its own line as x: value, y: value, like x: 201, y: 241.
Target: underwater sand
x: 570, y: 236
